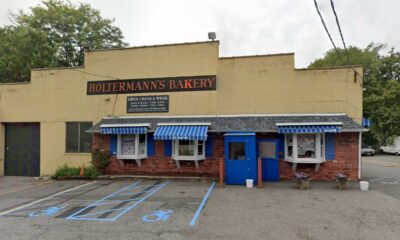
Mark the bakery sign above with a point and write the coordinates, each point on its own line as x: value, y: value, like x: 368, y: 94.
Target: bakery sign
x: 146, y: 85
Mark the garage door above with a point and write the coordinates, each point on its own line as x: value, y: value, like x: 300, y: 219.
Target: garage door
x: 22, y: 149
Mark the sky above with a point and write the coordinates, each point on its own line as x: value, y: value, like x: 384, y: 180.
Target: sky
x: 246, y: 27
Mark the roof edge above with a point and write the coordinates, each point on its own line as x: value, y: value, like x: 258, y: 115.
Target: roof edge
x: 232, y: 115
x: 57, y: 68
x: 258, y: 55
x: 328, y: 68
x: 154, y: 45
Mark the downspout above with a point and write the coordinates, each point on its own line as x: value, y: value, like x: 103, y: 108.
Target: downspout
x: 359, y: 156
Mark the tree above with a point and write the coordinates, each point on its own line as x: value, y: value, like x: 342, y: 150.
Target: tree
x: 382, y: 88
x: 70, y: 29
x: 382, y: 99
x: 21, y: 49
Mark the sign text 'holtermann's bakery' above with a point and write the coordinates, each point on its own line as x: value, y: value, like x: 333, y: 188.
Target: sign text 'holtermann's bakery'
x: 170, y: 84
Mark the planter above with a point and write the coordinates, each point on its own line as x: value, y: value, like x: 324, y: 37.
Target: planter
x: 303, y: 183
x: 342, y: 184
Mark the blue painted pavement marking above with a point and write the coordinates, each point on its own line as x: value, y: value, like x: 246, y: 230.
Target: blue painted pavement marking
x: 50, y: 211
x: 86, y: 213
x: 141, y: 200
x: 156, y: 216
x: 197, y: 214
x: 104, y: 198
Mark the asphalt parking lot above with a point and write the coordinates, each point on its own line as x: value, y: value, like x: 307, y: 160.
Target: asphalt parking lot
x: 149, y: 209
x: 383, y: 173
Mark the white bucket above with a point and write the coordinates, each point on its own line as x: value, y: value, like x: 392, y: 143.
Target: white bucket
x: 249, y: 183
x: 364, y: 185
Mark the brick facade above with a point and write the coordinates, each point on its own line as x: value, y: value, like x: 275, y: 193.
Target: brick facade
x: 163, y: 165
x: 346, y: 161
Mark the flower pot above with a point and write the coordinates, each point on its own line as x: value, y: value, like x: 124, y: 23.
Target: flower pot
x: 303, y: 184
x: 342, y: 184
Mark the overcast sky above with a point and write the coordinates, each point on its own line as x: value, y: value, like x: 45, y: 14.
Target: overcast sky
x: 247, y: 27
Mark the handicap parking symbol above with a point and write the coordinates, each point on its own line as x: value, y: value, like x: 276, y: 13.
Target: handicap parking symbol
x: 156, y: 216
x: 50, y: 211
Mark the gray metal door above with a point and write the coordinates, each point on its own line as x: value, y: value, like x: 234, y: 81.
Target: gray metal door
x: 22, y: 149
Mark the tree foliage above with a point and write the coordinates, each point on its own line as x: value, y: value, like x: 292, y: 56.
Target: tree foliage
x: 71, y: 28
x: 381, y: 102
x: 54, y: 33
x: 21, y: 49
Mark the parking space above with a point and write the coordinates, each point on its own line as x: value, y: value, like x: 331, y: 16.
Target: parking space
x: 141, y: 202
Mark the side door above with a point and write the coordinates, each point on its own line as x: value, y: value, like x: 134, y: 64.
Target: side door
x: 240, y: 158
x: 267, y: 150
x: 22, y: 149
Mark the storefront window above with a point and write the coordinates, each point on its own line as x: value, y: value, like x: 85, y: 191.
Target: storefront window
x: 200, y: 148
x: 142, y: 144
x: 306, y: 148
x: 188, y: 150
x: 289, y: 144
x: 306, y: 144
x: 128, y: 144
x: 132, y: 146
x: 186, y: 147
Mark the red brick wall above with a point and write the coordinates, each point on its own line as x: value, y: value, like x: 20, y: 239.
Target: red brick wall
x: 160, y: 164
x: 346, y: 161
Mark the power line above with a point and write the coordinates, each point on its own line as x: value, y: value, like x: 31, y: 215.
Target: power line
x: 344, y: 43
x: 340, y: 31
x: 341, y: 35
x: 325, y: 27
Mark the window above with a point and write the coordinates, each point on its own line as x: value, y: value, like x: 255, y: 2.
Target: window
x: 237, y: 150
x: 188, y: 150
x: 306, y: 148
x: 77, y: 140
x: 132, y: 146
x: 289, y: 141
x: 306, y: 145
x: 266, y: 149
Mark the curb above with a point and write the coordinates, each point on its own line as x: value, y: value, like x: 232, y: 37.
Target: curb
x: 127, y: 177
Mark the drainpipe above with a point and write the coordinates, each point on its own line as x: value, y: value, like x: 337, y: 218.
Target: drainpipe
x: 359, y: 155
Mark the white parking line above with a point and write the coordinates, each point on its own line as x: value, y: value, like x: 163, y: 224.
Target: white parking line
x: 43, y: 199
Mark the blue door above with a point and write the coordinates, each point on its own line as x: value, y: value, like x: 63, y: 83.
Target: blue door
x: 240, y: 158
x: 268, y: 151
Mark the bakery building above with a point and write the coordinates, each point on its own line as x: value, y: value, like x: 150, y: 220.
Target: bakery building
x: 182, y: 110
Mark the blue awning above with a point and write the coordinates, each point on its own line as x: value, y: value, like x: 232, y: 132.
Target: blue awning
x: 123, y: 130
x: 309, y: 129
x: 172, y: 132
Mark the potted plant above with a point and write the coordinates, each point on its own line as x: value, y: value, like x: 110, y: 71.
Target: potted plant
x: 341, y: 181
x: 302, y: 180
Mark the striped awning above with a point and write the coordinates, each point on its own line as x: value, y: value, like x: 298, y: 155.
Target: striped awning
x: 123, y: 130
x: 309, y: 129
x: 181, y: 132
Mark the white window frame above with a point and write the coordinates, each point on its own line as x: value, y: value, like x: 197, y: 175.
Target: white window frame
x: 136, y: 155
x: 195, y: 157
x: 319, y: 149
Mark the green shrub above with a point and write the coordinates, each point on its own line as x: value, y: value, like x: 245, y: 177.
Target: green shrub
x: 66, y: 171
x: 91, y: 172
x: 100, y: 160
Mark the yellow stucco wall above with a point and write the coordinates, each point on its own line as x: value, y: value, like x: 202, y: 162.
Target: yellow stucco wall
x: 245, y: 85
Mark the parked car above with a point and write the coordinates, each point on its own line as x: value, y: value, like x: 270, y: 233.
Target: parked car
x: 367, y: 152
x: 394, y: 148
